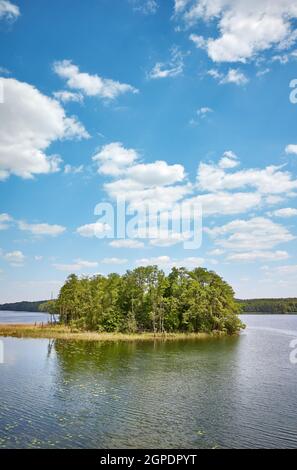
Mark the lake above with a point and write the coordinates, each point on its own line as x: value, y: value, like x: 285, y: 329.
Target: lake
x: 23, y: 317
x: 235, y: 392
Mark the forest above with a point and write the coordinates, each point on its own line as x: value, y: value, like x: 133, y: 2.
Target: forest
x: 147, y: 300
x: 22, y: 306
x: 281, y: 306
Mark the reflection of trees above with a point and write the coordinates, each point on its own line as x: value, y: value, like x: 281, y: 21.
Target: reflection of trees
x: 132, y: 393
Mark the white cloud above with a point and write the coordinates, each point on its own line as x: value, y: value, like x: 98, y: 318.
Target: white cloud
x: 69, y: 169
x: 15, y: 258
x: 5, y: 220
x: 271, y: 180
x: 234, y: 76
x: 246, y: 27
x: 180, y: 5
x: 76, y: 266
x: 126, y: 244
x: 286, y: 270
x: 156, y: 174
x: 140, y: 184
x: 4, y: 71
x: 167, y: 262
x: 258, y: 233
x: 114, y: 261
x: 172, y: 68
x: 146, y: 7
x: 252, y: 256
x: 202, y: 112
x: 91, y: 85
x: 229, y: 160
x: 168, y: 238
x: 263, y: 72
x: 291, y: 149
x: 199, y: 41
x: 9, y: 11
x: 93, y: 230
x: 30, y: 122
x: 284, y: 213
x: 224, y: 203
x: 114, y: 158
x: 163, y: 197
x: 42, y: 229
x: 216, y: 252
x: 68, y: 96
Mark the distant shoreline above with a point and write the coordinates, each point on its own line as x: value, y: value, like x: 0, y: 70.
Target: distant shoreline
x: 63, y: 332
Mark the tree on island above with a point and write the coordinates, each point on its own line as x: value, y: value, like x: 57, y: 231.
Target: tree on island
x: 146, y: 300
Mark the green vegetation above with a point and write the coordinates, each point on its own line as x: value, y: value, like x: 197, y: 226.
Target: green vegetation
x: 146, y: 300
x: 282, y: 306
x: 70, y: 333
x: 22, y: 306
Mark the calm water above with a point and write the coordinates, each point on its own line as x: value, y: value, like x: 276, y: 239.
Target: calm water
x: 232, y: 392
x: 23, y: 317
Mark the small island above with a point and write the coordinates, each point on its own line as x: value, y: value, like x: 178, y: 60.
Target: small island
x: 142, y: 304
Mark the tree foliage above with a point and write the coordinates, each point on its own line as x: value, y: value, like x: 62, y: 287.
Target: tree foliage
x: 281, y: 306
x: 145, y: 299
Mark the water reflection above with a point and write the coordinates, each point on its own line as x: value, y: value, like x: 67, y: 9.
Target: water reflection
x: 228, y: 392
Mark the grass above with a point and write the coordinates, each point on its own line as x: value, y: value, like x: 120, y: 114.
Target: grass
x: 64, y: 332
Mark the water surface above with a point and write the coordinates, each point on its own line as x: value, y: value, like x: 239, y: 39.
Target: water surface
x: 7, y: 317
x: 231, y: 392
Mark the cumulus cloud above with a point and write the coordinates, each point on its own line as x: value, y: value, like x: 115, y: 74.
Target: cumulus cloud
x: 252, y: 256
x: 68, y: 96
x: 15, y: 258
x: 76, y: 266
x: 224, y: 203
x: 234, y: 76
x: 114, y: 261
x: 93, y: 230
x: 246, y: 28
x: 113, y: 159
x: 167, y: 262
x: 126, y: 244
x: 30, y: 123
x: 158, y: 173
x: 291, y: 149
x: 284, y: 213
x: 270, y: 180
x: 229, y: 160
x: 8, y: 10
x: 146, y: 7
x: 90, y: 85
x: 42, y: 229
x: 258, y: 233
x: 138, y: 183
x: 69, y: 169
x: 5, y: 221
x: 202, y: 112
x: 172, y: 68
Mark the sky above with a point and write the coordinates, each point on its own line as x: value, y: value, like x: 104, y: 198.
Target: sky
x: 162, y: 102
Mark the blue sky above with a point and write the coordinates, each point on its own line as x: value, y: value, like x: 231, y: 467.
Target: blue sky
x: 163, y: 101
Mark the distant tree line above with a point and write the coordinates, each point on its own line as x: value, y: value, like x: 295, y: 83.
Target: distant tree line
x: 282, y: 306
x: 145, y: 299
x: 22, y: 306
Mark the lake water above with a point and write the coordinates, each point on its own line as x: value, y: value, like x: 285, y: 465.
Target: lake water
x: 22, y: 317
x: 229, y: 393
